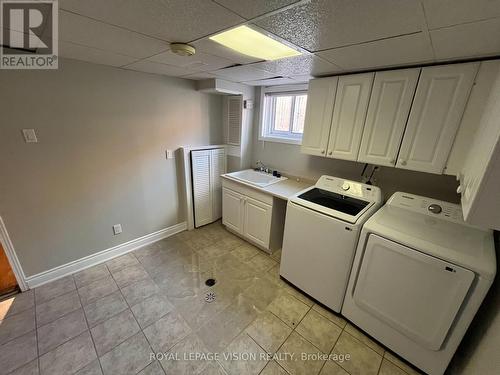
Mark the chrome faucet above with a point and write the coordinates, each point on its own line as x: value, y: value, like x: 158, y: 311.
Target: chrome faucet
x: 260, y: 166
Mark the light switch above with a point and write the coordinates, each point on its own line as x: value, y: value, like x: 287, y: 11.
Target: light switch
x: 30, y: 136
x: 117, y: 229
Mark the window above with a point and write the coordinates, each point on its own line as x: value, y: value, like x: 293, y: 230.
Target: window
x: 284, y: 110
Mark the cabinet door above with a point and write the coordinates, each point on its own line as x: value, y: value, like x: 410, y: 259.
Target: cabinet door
x: 232, y: 210
x: 320, y: 99
x: 439, y: 103
x: 349, y: 112
x: 202, y: 187
x: 257, y: 222
x: 217, y: 167
x: 390, y: 103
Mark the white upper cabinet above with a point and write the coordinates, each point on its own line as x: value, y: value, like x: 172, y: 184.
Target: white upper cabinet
x: 349, y: 112
x: 439, y: 102
x: 390, y: 103
x: 321, y: 96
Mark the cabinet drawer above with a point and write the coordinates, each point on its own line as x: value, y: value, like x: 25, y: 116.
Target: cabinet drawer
x: 247, y: 191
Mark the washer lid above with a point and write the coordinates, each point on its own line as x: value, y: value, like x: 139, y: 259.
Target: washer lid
x: 439, y: 236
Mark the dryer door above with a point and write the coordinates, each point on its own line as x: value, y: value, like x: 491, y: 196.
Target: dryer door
x: 412, y: 292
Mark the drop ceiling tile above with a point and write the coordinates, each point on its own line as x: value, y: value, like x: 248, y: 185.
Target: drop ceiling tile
x: 403, y: 50
x: 85, y: 31
x: 324, y: 24
x: 441, y: 13
x: 92, y: 55
x: 199, y: 62
x: 208, y: 46
x: 156, y: 68
x: 174, y: 21
x: 467, y: 40
x: 254, y: 8
x: 299, y: 65
x: 271, y: 82
x: 243, y: 73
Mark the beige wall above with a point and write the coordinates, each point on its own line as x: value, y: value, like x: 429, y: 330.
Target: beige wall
x: 100, y: 159
x: 287, y: 158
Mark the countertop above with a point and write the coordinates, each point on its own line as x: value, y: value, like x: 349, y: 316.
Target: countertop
x: 283, y: 189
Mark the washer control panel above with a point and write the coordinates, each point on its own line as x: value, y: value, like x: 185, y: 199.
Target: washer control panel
x: 349, y: 188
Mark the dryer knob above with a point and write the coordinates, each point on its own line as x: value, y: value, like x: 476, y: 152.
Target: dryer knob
x: 435, y: 208
x: 345, y: 186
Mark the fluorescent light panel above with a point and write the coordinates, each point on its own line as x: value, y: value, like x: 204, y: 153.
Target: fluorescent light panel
x: 247, y: 41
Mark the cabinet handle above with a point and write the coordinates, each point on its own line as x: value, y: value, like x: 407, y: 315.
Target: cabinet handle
x: 330, y: 152
x: 403, y: 162
x: 322, y: 151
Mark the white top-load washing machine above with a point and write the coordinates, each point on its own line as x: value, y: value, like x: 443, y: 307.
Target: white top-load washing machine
x: 322, y: 227
x: 419, y: 276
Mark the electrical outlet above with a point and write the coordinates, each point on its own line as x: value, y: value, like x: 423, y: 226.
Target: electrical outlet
x: 170, y: 154
x: 117, y: 229
x: 30, y: 136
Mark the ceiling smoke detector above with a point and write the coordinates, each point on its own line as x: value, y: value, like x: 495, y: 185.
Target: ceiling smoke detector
x: 182, y: 49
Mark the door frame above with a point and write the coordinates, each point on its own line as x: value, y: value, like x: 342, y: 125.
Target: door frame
x: 12, y: 257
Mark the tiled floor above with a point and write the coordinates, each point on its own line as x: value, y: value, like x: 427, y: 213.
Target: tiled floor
x: 110, y: 318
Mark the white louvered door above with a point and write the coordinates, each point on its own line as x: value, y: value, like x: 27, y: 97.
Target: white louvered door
x: 234, y: 118
x: 217, y: 168
x: 202, y: 187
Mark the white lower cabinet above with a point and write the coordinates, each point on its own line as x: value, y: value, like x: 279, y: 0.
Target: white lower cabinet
x: 253, y: 215
x: 257, y: 222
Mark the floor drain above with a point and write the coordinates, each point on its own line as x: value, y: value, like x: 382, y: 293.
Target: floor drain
x: 210, y: 282
x: 210, y: 297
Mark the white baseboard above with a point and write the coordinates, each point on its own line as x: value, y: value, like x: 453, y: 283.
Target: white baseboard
x: 102, y: 256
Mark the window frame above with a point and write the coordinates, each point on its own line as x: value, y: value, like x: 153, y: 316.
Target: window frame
x: 266, y: 134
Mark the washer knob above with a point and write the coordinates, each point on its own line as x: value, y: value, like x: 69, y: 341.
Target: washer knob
x: 345, y: 186
x: 435, y: 208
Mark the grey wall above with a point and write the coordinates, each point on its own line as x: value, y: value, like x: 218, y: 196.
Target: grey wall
x: 287, y: 158
x: 100, y: 159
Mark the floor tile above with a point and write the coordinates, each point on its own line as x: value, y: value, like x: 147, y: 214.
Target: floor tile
x: 331, y: 368
x: 120, y: 262
x: 151, y: 309
x: 17, y: 325
x: 244, y: 346
x: 319, y: 331
x: 127, y: 358
x: 16, y: 304
x: 18, y: 352
x: 184, y: 364
x: 213, y: 368
x: 272, y: 368
x: 214, y: 250
x: 104, y: 308
x: 61, y: 330
x: 152, y: 369
x: 276, y: 255
x: 166, y: 332
x: 388, y: 368
x: 69, y: 357
x: 400, y: 363
x: 269, y: 332
x: 289, y: 309
x: 274, y: 276
x: 357, y: 333
x: 297, y: 346
x: 92, y: 369
x: 30, y: 368
x: 97, y: 289
x: 114, y: 331
x: 261, y: 293
x: 261, y: 263
x: 129, y: 275
x: 54, y: 289
x: 363, y: 360
x: 140, y: 290
x: 245, y: 252
x: 218, y: 333
x: 331, y: 316
x: 90, y: 275
x: 55, y: 308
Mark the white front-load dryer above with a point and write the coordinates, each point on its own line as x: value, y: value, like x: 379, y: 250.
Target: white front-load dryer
x: 419, y: 276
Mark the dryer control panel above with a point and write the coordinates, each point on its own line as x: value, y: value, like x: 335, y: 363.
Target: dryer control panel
x: 427, y: 206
